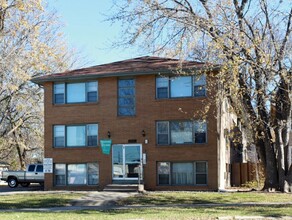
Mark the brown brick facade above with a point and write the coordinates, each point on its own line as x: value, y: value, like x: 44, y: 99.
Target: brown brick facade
x: 148, y: 111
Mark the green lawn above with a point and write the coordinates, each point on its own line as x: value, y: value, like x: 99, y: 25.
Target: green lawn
x: 162, y: 198
x: 164, y: 213
x: 156, y: 198
x: 37, y: 200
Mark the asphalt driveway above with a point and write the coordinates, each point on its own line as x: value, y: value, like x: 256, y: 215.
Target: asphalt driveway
x: 5, y: 189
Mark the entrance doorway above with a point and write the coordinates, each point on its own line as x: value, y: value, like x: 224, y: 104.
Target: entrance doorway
x: 127, y: 161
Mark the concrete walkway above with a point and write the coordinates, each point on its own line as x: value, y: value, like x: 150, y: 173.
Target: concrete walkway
x: 101, y: 199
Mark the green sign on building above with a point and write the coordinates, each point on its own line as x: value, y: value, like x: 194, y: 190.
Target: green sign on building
x: 106, y: 146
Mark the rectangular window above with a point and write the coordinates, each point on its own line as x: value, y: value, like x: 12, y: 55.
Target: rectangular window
x: 199, y: 85
x: 75, y: 92
x: 59, y: 93
x: 92, y: 135
x: 75, y: 135
x: 200, y: 132
x: 76, y: 174
x: 163, y: 173
x: 181, y: 86
x: 60, y: 174
x: 92, y: 88
x: 93, y: 174
x: 59, y: 136
x: 185, y: 173
x: 182, y: 174
x: 201, y: 173
x: 162, y: 87
x: 162, y: 132
x: 126, y: 97
x: 181, y: 132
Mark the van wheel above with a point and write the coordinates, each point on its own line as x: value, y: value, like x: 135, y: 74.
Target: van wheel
x: 24, y: 184
x: 12, y: 182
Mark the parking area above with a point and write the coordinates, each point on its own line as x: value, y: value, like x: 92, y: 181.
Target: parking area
x: 4, y: 188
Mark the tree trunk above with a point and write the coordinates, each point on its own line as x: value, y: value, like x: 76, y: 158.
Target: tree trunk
x: 288, y: 181
x: 281, y: 158
x: 282, y: 123
x: 271, y: 181
x: 21, y: 161
x: 19, y: 153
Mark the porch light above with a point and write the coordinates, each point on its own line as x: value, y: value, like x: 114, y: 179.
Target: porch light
x: 109, y: 134
x: 143, y: 133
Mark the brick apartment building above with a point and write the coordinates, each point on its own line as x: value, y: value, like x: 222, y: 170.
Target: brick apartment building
x: 151, y: 118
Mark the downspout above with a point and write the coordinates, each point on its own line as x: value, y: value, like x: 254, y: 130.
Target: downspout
x: 219, y: 147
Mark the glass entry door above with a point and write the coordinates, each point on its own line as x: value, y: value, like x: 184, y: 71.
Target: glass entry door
x: 126, y: 161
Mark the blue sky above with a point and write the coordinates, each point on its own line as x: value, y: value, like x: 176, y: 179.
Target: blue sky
x: 86, y: 30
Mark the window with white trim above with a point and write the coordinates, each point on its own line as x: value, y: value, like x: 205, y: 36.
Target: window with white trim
x: 182, y: 173
x: 76, y: 174
x: 180, y: 86
x: 181, y: 132
x: 79, y: 92
x: 75, y: 135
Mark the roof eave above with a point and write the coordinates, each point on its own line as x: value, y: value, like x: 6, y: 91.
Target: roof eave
x: 41, y: 80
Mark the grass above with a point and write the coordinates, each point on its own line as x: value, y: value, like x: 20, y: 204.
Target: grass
x: 164, y: 213
x: 37, y: 200
x: 226, y: 207
x: 163, y: 198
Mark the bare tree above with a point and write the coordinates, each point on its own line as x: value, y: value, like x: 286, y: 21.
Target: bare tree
x: 31, y: 44
x: 252, y: 42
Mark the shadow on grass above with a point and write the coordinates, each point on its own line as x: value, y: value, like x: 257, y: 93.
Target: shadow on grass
x: 203, y: 198
x: 148, y: 199
x: 35, y: 203
x: 256, y: 210
x: 265, y: 211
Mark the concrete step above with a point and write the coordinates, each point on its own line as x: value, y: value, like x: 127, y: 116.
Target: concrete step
x: 123, y: 188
